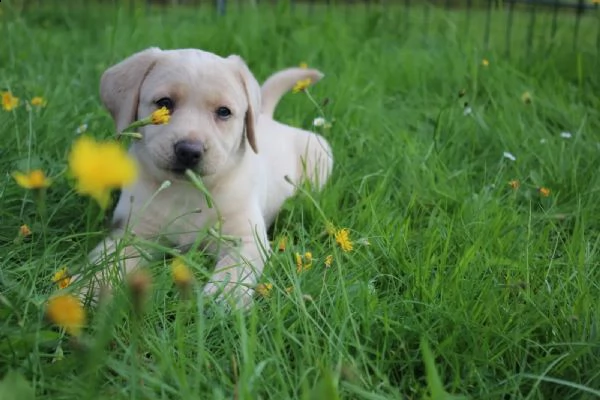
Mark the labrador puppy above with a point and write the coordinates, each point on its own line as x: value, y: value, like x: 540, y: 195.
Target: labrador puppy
x: 222, y: 129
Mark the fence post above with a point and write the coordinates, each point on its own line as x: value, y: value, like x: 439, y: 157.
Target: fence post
x: 221, y: 7
x: 468, y: 22
x: 530, y: 29
x: 509, y: 24
x: 580, y: 8
x: 554, y: 21
x: 488, y: 23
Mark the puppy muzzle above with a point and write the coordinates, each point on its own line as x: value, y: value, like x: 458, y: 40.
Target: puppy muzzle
x: 188, y: 155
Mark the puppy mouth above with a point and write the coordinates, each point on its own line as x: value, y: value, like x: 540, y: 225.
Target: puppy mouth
x: 179, y: 169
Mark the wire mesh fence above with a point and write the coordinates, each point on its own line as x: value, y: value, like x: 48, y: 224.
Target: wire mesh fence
x: 529, y: 23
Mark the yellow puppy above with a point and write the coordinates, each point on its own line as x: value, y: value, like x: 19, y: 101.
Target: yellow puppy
x: 222, y: 128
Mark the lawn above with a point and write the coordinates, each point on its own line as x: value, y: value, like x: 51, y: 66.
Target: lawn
x: 469, y: 187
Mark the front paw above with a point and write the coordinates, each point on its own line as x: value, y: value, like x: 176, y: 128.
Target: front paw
x: 93, y: 290
x: 230, y: 294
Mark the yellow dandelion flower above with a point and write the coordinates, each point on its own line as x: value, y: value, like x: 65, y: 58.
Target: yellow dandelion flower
x: 298, y: 258
x: 160, y: 116
x: 515, y: 184
x: 303, y: 65
x: 67, y: 312
x: 544, y: 191
x: 301, y: 85
x: 9, y: 102
x: 264, y: 289
x: 308, y: 259
x: 282, y: 244
x: 181, y: 273
x: 329, y: 260
x: 139, y: 283
x: 38, y: 101
x: 526, y: 98
x: 485, y: 62
x: 35, y: 179
x: 100, y: 167
x: 595, y: 1
x: 342, y: 237
x: 62, y: 278
x: 303, y: 263
x: 24, y: 230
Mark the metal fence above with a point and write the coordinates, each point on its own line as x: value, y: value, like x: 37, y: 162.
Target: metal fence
x: 580, y: 8
x: 551, y: 10
x: 543, y: 16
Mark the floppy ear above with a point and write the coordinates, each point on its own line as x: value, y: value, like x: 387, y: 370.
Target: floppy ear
x: 120, y: 86
x: 252, y: 90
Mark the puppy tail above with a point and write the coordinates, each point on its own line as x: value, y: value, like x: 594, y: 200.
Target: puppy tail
x: 282, y: 82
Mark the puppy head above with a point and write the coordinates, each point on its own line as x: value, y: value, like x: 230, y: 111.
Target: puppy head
x: 214, y: 104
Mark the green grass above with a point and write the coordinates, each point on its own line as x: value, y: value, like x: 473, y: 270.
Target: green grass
x: 496, y: 288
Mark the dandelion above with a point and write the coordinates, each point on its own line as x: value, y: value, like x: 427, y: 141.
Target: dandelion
x: 9, y: 102
x: 160, y: 116
x: 139, y: 284
x: 264, y: 289
x: 308, y: 260
x: 467, y: 111
x: 509, y: 156
x: 514, y: 184
x: 282, y: 244
x: 526, y: 98
x: 544, y: 191
x: 485, y: 62
x: 328, y: 260
x: 100, y: 168
x: 301, y: 85
x: 35, y: 179
x: 182, y: 276
x: 24, y: 230
x: 38, y: 101
x: 62, y: 278
x: 342, y: 237
x: 566, y: 135
x: 303, y: 65
x: 303, y: 263
x: 66, y: 311
x: 298, y: 259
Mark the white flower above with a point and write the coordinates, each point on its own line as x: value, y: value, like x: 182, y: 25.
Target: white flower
x: 319, y: 121
x: 363, y: 241
x: 510, y: 156
x: 81, y: 129
x: 468, y: 110
x: 371, y: 286
x: 566, y: 135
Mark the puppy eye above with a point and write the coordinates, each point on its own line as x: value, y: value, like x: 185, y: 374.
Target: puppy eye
x: 223, y: 112
x: 166, y: 103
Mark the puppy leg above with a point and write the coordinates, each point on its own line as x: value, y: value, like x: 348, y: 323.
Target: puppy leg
x: 239, y: 267
x: 116, y: 257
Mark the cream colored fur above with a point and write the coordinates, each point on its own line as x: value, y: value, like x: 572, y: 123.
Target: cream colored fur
x: 244, y: 165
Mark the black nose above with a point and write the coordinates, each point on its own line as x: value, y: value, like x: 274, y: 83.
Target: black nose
x: 188, y: 153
